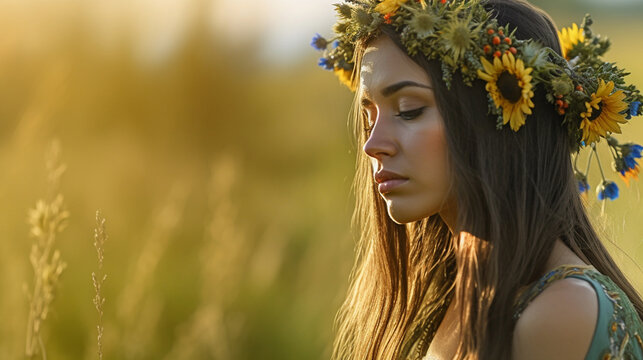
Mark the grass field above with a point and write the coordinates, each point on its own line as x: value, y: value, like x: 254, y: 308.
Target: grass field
x: 224, y: 184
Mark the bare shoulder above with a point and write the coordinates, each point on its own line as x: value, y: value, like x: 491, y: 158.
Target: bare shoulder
x: 559, y: 323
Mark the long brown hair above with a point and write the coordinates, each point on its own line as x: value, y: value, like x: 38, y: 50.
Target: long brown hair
x: 516, y: 194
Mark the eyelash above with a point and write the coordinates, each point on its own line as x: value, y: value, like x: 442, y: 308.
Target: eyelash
x: 412, y: 113
x: 405, y: 115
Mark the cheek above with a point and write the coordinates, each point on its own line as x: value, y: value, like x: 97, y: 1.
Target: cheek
x: 435, y: 142
x: 432, y: 151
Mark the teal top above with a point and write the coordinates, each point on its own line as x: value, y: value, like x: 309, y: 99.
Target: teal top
x: 619, y: 329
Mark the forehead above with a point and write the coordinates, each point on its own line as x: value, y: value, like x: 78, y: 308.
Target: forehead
x: 384, y: 63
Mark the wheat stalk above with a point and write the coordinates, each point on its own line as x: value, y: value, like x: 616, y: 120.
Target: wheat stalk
x: 47, y: 219
x: 100, y: 236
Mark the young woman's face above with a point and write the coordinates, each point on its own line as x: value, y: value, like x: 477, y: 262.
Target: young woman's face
x: 406, y: 135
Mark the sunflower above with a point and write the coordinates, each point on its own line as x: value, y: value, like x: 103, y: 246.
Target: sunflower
x: 345, y: 76
x: 389, y: 6
x: 603, y: 113
x: 570, y: 37
x: 509, y: 84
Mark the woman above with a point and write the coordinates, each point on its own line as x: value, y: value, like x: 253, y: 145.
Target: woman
x: 474, y: 240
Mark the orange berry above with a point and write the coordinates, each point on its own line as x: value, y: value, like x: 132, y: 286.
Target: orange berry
x: 508, y: 41
x: 513, y: 50
x: 559, y: 96
x: 501, y: 32
x: 559, y: 103
x: 579, y: 88
x: 496, y: 40
x: 487, y: 48
x: 561, y: 111
x: 387, y: 18
x: 497, y: 54
x: 490, y: 32
x: 565, y: 104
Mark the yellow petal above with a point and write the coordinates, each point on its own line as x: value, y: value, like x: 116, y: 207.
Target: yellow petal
x: 520, y: 67
x: 497, y: 64
x: 389, y: 6
x: 509, y: 61
x: 485, y: 76
x: 618, y: 95
x: 608, y: 124
x: 506, y: 115
x: 616, y: 117
x: 488, y: 67
x: 517, y: 119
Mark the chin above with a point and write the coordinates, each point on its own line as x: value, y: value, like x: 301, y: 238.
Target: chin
x: 406, y: 214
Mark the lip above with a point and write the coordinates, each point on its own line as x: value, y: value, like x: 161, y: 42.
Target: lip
x: 388, y: 180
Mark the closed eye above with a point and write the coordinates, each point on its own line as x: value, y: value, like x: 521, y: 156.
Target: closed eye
x: 411, y: 114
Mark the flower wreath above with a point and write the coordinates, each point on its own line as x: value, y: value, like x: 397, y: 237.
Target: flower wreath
x: 589, y: 94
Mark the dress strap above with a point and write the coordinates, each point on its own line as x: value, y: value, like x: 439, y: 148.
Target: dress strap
x: 618, y: 330
x: 530, y: 292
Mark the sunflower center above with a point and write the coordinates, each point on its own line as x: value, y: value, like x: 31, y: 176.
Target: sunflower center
x: 509, y: 87
x: 596, y: 112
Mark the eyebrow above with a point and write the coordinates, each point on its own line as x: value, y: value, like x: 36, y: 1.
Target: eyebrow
x: 392, y: 89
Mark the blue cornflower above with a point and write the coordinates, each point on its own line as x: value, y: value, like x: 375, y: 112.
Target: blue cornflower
x: 319, y: 42
x: 326, y: 64
x: 583, y: 185
x: 636, y: 150
x: 634, y: 109
x: 630, y: 163
x: 607, y: 189
x: 631, y: 152
x: 335, y: 43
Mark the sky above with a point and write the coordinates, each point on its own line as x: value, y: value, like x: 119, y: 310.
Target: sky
x: 286, y: 27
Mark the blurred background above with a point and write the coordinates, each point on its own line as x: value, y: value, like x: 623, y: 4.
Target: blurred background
x: 218, y: 152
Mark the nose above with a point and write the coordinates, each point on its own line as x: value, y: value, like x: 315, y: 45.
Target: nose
x: 380, y: 142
